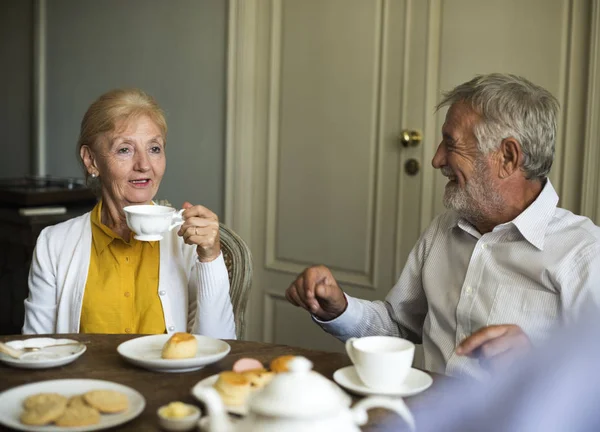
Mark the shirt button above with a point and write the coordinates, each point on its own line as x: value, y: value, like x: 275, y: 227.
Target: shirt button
x: 468, y: 290
x: 484, y: 246
x: 171, y: 328
x: 127, y: 294
x: 162, y: 293
x: 462, y: 337
x: 128, y: 330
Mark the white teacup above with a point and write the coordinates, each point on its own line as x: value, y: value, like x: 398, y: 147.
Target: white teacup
x: 381, y: 362
x: 149, y: 222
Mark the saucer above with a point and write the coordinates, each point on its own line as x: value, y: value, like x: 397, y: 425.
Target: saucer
x: 416, y: 381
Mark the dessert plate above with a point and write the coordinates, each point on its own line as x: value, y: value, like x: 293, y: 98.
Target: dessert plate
x: 11, y: 403
x: 51, y: 353
x: 146, y: 352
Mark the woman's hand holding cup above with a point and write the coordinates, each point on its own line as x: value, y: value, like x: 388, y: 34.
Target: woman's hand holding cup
x: 201, y: 228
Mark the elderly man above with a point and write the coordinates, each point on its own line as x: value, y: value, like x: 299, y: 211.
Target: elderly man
x: 499, y: 269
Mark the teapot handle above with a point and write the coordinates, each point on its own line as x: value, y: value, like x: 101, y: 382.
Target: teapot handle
x: 359, y: 410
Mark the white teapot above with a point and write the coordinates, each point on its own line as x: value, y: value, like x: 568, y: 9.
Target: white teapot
x: 300, y: 400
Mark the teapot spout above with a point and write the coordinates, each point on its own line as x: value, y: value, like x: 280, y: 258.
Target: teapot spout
x: 218, y: 420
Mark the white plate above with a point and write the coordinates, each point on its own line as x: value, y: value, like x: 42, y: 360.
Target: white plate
x: 241, y: 410
x: 11, y: 403
x: 146, y: 351
x: 43, y: 359
x: 415, y: 382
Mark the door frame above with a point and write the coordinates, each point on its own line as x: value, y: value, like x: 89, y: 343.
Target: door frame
x: 590, y: 199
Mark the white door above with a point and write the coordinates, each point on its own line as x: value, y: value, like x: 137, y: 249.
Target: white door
x: 320, y: 91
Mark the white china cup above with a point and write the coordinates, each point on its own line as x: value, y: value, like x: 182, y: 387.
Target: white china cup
x: 381, y: 362
x: 150, y: 222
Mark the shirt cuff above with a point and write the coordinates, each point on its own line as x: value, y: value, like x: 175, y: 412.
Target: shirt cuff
x: 344, y: 324
x: 213, y: 276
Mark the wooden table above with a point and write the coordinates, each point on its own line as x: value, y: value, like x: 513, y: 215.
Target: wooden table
x: 101, y: 361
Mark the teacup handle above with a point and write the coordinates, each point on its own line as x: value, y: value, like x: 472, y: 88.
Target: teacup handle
x: 350, y: 348
x: 359, y: 410
x: 177, y: 219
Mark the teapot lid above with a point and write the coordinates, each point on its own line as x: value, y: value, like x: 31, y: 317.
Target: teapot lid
x: 301, y: 392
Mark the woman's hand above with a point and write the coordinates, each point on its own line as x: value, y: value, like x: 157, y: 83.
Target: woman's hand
x: 201, y: 228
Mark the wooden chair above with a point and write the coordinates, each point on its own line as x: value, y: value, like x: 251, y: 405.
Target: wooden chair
x: 238, y: 261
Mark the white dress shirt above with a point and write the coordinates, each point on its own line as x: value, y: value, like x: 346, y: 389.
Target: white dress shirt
x: 194, y: 295
x: 535, y: 271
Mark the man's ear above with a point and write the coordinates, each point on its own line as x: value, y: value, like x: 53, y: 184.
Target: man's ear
x: 89, y: 161
x: 511, y: 157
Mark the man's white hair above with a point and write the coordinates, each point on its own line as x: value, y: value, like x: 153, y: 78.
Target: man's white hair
x: 511, y: 106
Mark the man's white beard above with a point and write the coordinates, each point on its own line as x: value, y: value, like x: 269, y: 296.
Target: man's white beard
x: 478, y: 200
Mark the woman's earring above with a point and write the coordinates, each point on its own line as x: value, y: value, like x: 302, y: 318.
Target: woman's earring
x: 94, y: 175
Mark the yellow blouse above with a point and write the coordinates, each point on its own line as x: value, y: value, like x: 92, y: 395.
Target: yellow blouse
x: 121, y: 292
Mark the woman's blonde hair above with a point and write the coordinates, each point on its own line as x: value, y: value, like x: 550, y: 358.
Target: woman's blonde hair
x: 114, y: 108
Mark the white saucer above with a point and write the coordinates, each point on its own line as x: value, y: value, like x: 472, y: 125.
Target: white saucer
x: 146, y: 352
x: 44, y: 358
x: 415, y: 382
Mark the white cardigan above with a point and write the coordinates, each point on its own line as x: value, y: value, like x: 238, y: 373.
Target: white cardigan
x: 194, y: 295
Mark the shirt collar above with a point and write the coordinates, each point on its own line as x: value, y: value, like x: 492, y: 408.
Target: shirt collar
x: 103, y: 236
x: 532, y: 223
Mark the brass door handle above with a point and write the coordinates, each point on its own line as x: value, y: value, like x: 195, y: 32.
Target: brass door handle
x: 410, y: 138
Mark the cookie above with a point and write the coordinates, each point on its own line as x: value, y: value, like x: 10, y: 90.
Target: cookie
x: 42, y: 413
x: 43, y: 398
x: 77, y: 400
x: 78, y: 415
x: 107, y: 401
x: 280, y: 364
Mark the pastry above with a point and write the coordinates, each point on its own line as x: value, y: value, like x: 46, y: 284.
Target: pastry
x: 233, y: 388
x: 258, y: 378
x: 280, y: 364
x: 78, y: 415
x: 245, y: 364
x: 180, y: 346
x: 107, y: 401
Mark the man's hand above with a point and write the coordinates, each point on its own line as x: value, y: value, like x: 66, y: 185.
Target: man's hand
x: 316, y: 290
x: 497, y: 346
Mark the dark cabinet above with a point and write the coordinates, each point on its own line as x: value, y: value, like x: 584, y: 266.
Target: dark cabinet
x: 26, y: 207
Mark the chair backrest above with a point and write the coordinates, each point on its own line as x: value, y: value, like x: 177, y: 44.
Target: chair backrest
x: 238, y: 260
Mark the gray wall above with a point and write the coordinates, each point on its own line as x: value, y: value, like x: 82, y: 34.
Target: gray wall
x: 15, y: 87
x: 173, y: 49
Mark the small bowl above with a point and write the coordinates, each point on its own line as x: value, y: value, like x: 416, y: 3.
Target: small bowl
x: 186, y: 423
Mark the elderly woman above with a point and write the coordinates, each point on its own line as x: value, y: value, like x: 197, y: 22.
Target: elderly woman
x: 90, y: 275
